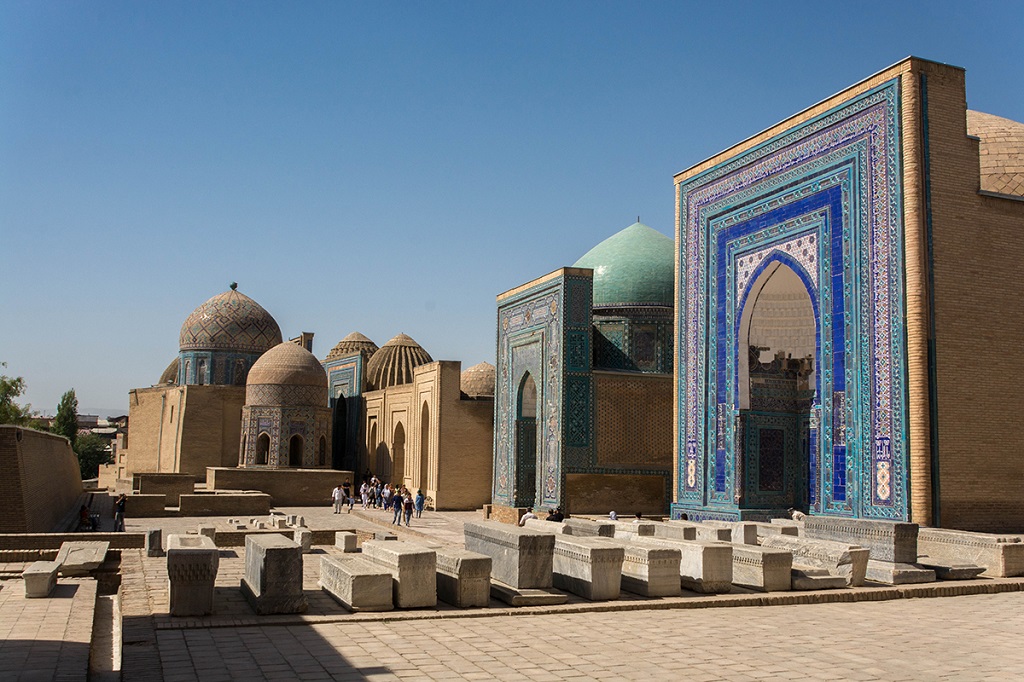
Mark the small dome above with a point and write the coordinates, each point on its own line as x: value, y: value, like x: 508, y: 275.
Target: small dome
x: 478, y: 381
x: 394, y: 362
x: 635, y: 267
x: 353, y: 343
x: 1002, y: 152
x: 230, y: 321
x: 170, y: 375
x: 287, y: 364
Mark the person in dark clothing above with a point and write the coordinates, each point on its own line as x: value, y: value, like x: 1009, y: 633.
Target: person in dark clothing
x: 119, y: 505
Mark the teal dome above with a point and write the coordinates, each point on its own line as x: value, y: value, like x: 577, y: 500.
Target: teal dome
x: 635, y: 267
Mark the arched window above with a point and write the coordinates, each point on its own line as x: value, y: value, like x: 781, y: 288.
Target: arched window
x: 527, y: 443
x: 295, y: 451
x: 398, y: 448
x: 201, y: 372
x: 322, y: 459
x: 262, y: 448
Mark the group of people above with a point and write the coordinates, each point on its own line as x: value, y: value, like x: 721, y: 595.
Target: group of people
x: 376, y: 494
x: 555, y: 514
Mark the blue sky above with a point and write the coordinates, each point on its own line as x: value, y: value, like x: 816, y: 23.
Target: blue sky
x: 383, y: 167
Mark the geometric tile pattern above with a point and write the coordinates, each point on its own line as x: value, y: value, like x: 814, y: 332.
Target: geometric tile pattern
x: 230, y: 321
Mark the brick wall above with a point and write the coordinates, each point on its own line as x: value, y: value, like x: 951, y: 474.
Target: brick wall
x: 171, y: 485
x: 287, y: 487
x: 41, y: 482
x: 633, y: 421
x: 622, y: 493
x: 224, y: 504
x: 978, y: 248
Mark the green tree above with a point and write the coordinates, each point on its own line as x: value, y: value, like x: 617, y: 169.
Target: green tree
x: 10, y: 411
x: 66, y: 422
x: 92, y: 452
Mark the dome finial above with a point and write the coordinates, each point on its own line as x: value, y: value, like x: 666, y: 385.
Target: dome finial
x: 234, y: 286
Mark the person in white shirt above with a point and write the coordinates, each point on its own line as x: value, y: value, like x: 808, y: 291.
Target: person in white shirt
x: 338, y: 497
x: 528, y: 515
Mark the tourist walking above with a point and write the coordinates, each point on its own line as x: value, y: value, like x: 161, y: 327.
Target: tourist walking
x: 346, y: 493
x: 119, y: 506
x: 364, y: 493
x: 420, y: 500
x: 397, y: 506
x: 407, y: 507
x: 338, y: 497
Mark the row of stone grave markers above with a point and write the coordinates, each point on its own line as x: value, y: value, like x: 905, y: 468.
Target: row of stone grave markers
x: 74, y: 559
x: 543, y: 561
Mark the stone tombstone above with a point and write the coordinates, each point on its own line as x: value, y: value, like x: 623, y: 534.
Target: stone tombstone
x: 154, y: 542
x: 291, y: 519
x: 346, y: 541
x: 762, y: 569
x: 590, y: 567
x: 356, y: 583
x: 704, y: 566
x: 192, y: 563
x: 703, y: 531
x: 547, y: 526
x: 1001, y: 556
x: 273, y: 575
x: 300, y: 521
x: 836, y: 558
x: 742, y: 532
x: 80, y: 558
x: 413, y: 568
x: 280, y: 523
x: 766, y: 529
x: 384, y: 535
x: 675, y: 531
x: 520, y: 557
x: 651, y: 570
x: 464, y: 577
x: 304, y: 538
x: 40, y: 579
x: 892, y: 541
x: 630, y: 529
x: 588, y: 528
x: 209, y: 531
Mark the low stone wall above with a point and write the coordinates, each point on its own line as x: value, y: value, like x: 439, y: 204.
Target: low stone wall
x: 503, y: 514
x: 55, y: 540
x: 287, y: 487
x: 145, y: 506
x: 171, y: 485
x: 224, y: 504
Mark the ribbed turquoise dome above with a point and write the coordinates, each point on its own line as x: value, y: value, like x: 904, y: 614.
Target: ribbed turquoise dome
x: 633, y: 267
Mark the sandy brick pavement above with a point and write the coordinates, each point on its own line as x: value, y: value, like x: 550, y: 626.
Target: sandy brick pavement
x: 965, y: 638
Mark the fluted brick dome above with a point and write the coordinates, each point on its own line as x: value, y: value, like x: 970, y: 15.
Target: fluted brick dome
x: 1002, y: 152
x: 170, y: 375
x: 288, y: 364
x: 634, y: 267
x: 353, y: 343
x: 393, y: 364
x: 478, y: 381
x: 232, y: 322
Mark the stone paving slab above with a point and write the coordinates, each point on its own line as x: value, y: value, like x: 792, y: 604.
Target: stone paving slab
x: 825, y: 641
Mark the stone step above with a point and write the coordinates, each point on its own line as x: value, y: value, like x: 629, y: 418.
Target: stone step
x: 526, y: 596
x: 808, y: 578
x: 955, y: 571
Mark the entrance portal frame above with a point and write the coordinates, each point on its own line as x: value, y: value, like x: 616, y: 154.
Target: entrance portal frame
x: 825, y: 198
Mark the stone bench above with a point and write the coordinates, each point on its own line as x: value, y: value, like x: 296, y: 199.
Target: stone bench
x: 356, y: 583
x: 464, y: 577
x: 588, y: 528
x: 40, y: 579
x: 1002, y: 556
x: 762, y: 568
x: 651, y: 570
x: 547, y: 527
x: 590, y: 567
x: 704, y: 531
x: 740, y: 532
x: 273, y: 574
x: 520, y: 557
x: 836, y: 558
x: 192, y: 564
x: 79, y: 558
x: 704, y: 566
x: 413, y: 568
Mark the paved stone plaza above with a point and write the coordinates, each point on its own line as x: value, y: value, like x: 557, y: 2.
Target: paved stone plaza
x: 965, y: 638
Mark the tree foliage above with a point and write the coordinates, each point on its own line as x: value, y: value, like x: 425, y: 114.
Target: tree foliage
x: 66, y: 422
x: 92, y: 452
x: 10, y: 411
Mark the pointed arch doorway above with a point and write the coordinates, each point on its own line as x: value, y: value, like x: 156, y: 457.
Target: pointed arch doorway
x: 777, y: 388
x: 526, y: 443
